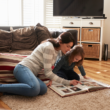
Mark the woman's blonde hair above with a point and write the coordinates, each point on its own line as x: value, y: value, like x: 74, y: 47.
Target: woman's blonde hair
x: 76, y: 50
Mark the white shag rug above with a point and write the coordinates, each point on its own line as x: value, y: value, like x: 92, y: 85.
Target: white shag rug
x: 98, y: 100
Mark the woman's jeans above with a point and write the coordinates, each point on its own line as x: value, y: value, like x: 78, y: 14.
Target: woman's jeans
x: 68, y: 74
x: 28, y: 84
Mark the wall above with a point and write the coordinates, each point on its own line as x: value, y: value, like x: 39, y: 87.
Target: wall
x: 106, y: 34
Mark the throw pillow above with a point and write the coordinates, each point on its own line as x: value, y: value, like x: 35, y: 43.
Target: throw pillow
x: 5, y: 40
x: 7, y: 65
x: 24, y: 38
x: 42, y: 33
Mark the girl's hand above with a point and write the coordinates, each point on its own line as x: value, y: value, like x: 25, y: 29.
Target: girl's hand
x: 85, y: 77
x: 49, y: 83
x: 74, y: 82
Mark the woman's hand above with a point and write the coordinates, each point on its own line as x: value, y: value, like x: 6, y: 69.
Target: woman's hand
x: 74, y: 82
x: 49, y: 83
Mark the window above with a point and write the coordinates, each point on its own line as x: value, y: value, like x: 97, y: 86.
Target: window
x: 33, y: 12
x: 50, y: 20
x: 10, y: 13
x: 28, y: 13
x: 21, y: 12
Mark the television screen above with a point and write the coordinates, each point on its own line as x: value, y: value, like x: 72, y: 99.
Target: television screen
x: 78, y: 7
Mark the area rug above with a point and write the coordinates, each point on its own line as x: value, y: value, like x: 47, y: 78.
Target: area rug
x: 98, y: 100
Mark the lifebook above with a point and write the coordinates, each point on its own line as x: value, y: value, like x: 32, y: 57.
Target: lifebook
x: 87, y: 85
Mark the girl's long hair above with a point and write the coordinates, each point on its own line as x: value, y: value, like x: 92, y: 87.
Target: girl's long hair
x: 76, y: 50
x: 65, y: 37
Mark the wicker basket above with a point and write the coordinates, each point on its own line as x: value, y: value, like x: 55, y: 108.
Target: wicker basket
x: 90, y: 34
x: 91, y: 50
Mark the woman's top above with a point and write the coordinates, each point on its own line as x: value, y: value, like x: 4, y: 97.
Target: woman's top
x: 63, y: 63
x: 44, y: 56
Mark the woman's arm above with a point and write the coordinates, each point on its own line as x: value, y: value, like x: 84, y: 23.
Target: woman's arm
x: 48, y: 58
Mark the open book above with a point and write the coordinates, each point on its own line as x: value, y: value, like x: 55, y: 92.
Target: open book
x: 87, y: 85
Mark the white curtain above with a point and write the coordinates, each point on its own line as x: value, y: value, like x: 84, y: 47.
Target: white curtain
x: 50, y: 20
x: 33, y: 12
x: 10, y: 12
x: 27, y: 13
x: 21, y: 12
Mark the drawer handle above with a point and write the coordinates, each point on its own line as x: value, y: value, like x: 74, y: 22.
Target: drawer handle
x: 91, y: 23
x: 90, y: 30
x: 71, y: 23
x: 89, y: 45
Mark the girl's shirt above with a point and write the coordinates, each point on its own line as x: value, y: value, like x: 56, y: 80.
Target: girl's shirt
x: 63, y: 63
x: 44, y: 56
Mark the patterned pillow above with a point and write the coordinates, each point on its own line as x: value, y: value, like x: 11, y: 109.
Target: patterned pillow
x: 7, y: 65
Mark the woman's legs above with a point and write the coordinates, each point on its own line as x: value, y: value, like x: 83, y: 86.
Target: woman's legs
x: 68, y: 74
x: 29, y: 84
x: 43, y: 87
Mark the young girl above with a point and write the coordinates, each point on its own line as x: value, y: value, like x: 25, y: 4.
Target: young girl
x: 64, y: 65
x: 44, y: 56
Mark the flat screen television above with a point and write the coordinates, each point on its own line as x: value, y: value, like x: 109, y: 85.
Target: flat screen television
x: 78, y: 8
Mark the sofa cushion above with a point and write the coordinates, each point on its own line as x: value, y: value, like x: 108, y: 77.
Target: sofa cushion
x: 7, y: 65
x: 42, y: 33
x: 24, y: 38
x: 5, y: 40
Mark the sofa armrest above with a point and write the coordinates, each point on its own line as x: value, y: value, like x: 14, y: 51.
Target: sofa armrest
x: 6, y: 28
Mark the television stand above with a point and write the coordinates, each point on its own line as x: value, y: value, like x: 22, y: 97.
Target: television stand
x: 88, y: 18
x: 90, y: 35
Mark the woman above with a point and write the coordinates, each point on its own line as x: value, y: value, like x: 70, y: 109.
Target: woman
x: 44, y: 56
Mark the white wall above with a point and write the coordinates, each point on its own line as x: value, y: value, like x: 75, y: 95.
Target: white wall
x: 106, y: 34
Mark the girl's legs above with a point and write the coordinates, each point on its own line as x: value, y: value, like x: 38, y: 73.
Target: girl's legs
x: 61, y: 73
x: 72, y: 75
x: 68, y: 74
x: 29, y: 84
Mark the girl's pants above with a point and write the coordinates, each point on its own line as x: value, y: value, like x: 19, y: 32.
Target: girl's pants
x: 29, y: 84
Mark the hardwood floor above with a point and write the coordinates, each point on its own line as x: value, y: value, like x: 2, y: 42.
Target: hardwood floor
x: 3, y: 106
x: 98, y: 70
